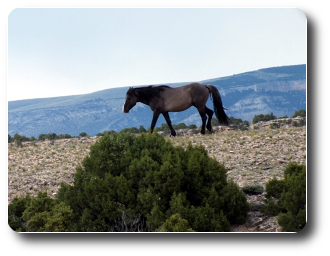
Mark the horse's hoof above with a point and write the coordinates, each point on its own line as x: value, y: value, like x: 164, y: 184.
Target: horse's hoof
x: 210, y: 129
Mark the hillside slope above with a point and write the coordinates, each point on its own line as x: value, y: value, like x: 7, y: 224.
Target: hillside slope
x: 251, y: 157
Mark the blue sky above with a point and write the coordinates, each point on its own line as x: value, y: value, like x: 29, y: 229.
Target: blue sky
x: 55, y: 52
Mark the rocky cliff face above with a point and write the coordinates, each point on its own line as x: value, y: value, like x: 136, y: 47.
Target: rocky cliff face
x: 281, y: 90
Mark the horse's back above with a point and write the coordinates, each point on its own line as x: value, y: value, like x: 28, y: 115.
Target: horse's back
x: 193, y: 89
x: 183, y: 97
x: 199, y: 93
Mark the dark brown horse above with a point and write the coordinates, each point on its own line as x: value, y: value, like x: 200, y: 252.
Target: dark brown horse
x: 163, y: 99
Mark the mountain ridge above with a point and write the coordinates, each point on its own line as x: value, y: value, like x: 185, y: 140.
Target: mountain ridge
x: 281, y: 90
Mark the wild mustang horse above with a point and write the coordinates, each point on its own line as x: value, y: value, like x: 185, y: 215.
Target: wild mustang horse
x: 163, y: 99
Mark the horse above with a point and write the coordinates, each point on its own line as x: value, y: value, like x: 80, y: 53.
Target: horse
x: 163, y: 99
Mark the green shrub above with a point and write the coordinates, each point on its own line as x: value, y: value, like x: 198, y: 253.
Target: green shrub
x: 142, y: 129
x: 262, y: 117
x: 302, y: 122
x: 301, y: 112
x: 239, y: 124
x: 192, y: 126
x: 291, y: 194
x: 253, y: 189
x: 44, y: 214
x: 139, y: 183
x: 132, y: 130
x: 100, y: 134
x: 175, y: 224
x: 15, y: 212
x: 293, y: 198
x: 83, y: 134
x: 274, y: 188
x: 18, y: 139
x: 272, y: 207
x: 39, y: 214
x: 275, y: 125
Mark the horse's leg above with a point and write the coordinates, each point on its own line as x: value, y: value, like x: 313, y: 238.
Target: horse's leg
x: 154, y: 120
x: 209, y: 112
x: 168, y: 121
x: 203, y: 116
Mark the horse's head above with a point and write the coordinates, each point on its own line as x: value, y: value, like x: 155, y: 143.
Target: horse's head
x: 130, y: 100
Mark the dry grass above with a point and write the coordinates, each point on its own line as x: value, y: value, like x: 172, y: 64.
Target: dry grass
x: 42, y: 166
x: 254, y: 156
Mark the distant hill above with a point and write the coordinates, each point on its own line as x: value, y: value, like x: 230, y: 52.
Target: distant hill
x: 281, y: 90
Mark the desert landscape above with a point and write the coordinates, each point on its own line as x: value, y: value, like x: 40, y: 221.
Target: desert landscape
x: 251, y: 157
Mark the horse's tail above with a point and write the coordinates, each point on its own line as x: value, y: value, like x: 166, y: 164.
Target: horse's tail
x: 219, y: 110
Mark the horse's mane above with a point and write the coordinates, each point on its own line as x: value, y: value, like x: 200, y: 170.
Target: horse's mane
x: 148, y: 92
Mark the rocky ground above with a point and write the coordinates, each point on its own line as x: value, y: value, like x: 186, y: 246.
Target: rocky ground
x: 252, y: 157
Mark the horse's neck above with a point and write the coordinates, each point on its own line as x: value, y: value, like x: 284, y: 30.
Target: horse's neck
x: 144, y: 101
x: 151, y: 103
x: 149, y: 100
